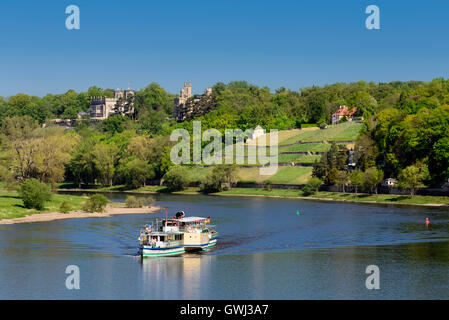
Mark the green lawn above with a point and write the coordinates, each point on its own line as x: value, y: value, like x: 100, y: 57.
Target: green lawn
x: 318, y: 147
x: 298, y: 158
x: 284, y: 175
x: 11, y: 206
x: 343, y: 131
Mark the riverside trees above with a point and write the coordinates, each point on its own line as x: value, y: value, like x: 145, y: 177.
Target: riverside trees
x: 34, y: 152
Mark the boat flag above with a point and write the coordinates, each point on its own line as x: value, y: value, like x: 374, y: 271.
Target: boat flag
x: 207, y: 220
x: 297, y: 212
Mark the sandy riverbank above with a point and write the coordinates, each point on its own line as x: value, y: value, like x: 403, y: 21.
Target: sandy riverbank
x: 51, y: 216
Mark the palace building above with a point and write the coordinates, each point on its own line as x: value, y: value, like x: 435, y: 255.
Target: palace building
x: 187, y: 105
x: 102, y: 108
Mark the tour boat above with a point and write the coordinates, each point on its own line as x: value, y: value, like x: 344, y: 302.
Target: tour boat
x: 163, y: 243
x: 175, y: 236
x: 198, y: 233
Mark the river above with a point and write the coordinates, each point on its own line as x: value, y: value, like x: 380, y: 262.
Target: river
x: 265, y: 251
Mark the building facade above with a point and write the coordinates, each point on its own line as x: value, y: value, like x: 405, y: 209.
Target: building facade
x: 343, y: 111
x: 187, y: 106
x: 102, y: 108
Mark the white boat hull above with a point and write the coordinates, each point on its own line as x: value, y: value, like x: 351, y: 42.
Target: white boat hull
x: 148, y: 251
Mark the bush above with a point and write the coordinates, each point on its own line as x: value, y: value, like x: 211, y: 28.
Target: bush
x: 34, y: 194
x: 323, y: 125
x: 65, y: 207
x: 211, y: 183
x: 307, y: 190
x: 176, y: 178
x: 314, y: 183
x: 95, y: 203
x: 133, y: 202
x: 148, y: 201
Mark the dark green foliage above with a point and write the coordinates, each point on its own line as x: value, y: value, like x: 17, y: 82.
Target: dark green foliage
x: 176, y: 178
x: 95, y: 203
x: 404, y: 123
x: 34, y: 194
x: 307, y: 190
x: 134, y: 172
x: 219, y: 178
x: 330, y: 163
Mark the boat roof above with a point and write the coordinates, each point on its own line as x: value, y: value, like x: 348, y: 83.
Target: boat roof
x: 190, y: 219
x: 161, y: 233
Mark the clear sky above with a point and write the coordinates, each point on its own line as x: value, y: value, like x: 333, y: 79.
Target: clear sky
x: 274, y: 43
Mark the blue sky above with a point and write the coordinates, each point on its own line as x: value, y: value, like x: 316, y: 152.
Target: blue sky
x: 269, y: 43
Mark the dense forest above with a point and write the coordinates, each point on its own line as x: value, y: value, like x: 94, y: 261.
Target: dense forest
x: 405, y: 124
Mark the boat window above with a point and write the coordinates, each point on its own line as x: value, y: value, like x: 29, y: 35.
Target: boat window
x: 161, y: 238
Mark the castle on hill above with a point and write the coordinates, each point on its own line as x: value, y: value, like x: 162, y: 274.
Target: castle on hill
x: 187, y: 105
x: 102, y: 108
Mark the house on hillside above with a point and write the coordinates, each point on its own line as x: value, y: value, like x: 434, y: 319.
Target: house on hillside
x: 343, y: 111
x: 390, y: 183
x: 258, y: 132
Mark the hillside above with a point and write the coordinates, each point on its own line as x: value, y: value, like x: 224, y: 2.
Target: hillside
x: 298, y: 150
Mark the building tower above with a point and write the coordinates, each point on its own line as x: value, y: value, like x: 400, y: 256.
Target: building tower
x: 180, y: 102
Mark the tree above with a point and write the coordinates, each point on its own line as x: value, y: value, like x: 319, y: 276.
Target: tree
x: 135, y: 172
x: 412, y: 178
x: 53, y: 151
x: 364, y: 103
x: 342, y: 179
x: 33, y: 152
x: 176, y: 178
x: 357, y: 179
x: 439, y: 161
x: 34, y: 194
x: 366, y: 152
x: 82, y: 165
x: 331, y: 177
x: 219, y: 176
x: 372, y: 178
x: 104, y: 159
x: 116, y: 123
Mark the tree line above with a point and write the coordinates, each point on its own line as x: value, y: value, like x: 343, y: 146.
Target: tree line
x: 405, y: 130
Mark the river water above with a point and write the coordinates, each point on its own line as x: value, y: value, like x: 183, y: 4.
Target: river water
x: 265, y: 251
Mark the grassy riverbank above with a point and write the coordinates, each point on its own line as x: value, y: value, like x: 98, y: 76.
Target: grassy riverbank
x: 294, y: 193
x: 11, y: 206
x: 347, y: 197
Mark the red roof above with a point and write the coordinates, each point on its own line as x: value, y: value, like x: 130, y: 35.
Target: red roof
x: 344, y: 111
